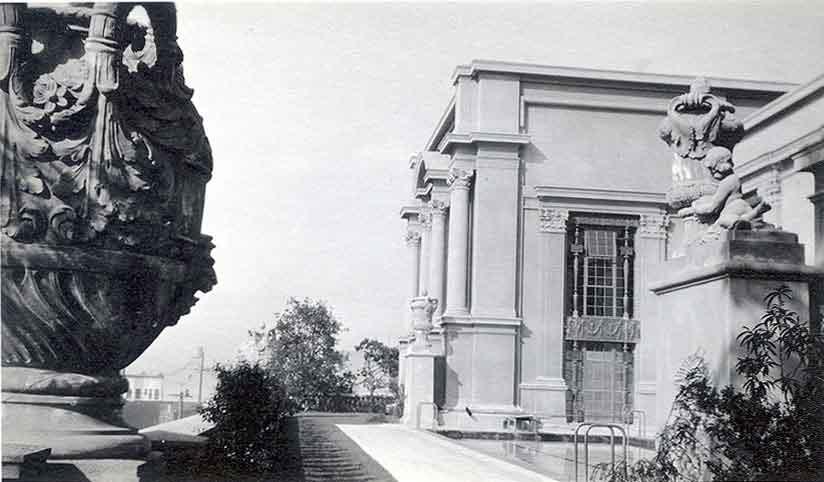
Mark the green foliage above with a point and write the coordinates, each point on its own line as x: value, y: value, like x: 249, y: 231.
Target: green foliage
x: 304, y: 357
x: 380, y: 367
x: 771, y: 430
x: 247, y: 409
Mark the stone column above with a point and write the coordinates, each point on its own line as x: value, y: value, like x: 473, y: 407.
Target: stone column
x: 553, y: 229
x: 818, y: 202
x: 437, y: 253
x: 650, y: 249
x: 426, y: 243
x: 413, y: 245
x: 457, y: 260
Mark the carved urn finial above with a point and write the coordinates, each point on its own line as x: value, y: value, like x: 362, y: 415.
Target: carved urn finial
x: 103, y: 171
x: 423, y: 307
x: 696, y: 122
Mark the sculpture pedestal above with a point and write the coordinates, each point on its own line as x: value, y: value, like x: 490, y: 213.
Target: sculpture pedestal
x: 72, y: 427
x: 419, y: 383
x: 708, y: 295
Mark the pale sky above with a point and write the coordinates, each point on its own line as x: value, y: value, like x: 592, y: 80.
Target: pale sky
x: 313, y: 109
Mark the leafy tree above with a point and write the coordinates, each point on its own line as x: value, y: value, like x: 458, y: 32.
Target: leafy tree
x: 247, y: 408
x: 773, y: 429
x: 380, y: 367
x: 303, y: 353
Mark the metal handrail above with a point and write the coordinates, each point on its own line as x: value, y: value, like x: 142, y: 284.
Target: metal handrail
x: 642, y: 426
x: 612, y: 427
x: 418, y: 414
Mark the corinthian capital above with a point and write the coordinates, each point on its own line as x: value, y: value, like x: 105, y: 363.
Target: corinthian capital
x: 459, y: 179
x: 436, y: 208
x: 653, y: 226
x: 553, y: 220
x: 412, y: 238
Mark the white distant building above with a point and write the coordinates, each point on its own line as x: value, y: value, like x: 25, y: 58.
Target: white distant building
x: 145, y: 387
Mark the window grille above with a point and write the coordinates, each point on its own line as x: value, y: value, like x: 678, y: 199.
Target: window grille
x: 601, y: 265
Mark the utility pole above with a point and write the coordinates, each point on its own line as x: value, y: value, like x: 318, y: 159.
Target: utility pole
x: 202, y: 354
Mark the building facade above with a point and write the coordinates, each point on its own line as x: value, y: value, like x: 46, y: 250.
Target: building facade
x: 538, y: 218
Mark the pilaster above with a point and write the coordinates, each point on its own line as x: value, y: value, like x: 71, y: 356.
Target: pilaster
x: 651, y: 253
x: 495, y: 230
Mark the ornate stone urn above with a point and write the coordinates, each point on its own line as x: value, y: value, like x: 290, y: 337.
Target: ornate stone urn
x: 103, y: 169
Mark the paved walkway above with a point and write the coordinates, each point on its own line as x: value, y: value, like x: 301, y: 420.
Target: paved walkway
x: 411, y: 455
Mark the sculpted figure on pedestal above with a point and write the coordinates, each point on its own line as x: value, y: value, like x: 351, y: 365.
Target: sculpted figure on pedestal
x: 726, y: 208
x: 701, y: 130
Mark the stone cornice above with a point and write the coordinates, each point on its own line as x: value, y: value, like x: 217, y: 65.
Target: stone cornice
x: 795, y: 149
x: 452, y: 139
x: 627, y: 196
x: 786, y: 102
x: 580, y: 75
x: 410, y: 211
x: 443, y: 125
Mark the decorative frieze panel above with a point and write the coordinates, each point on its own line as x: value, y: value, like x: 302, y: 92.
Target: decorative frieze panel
x: 603, y: 329
x: 553, y: 220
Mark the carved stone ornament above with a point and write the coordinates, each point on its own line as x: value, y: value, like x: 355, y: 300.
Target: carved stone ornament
x: 103, y: 169
x: 701, y: 130
x: 603, y: 329
x: 436, y: 208
x: 696, y: 122
x: 423, y: 307
x: 653, y: 225
x: 553, y: 220
x: 413, y: 238
x: 459, y: 179
x: 425, y: 219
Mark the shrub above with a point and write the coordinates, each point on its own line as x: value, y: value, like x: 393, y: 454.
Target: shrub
x: 773, y: 429
x: 246, y: 410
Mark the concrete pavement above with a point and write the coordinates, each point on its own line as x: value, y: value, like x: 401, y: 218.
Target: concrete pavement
x: 413, y: 455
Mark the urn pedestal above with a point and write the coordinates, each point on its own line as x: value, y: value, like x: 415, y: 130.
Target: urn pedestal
x: 705, y: 297
x: 419, y: 367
